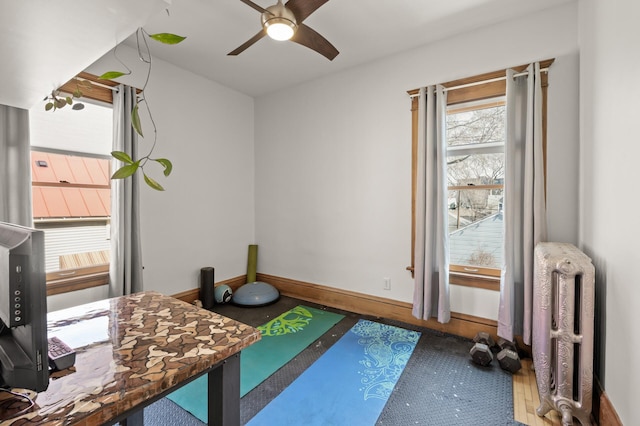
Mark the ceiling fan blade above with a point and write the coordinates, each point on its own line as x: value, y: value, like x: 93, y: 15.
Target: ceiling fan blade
x: 307, y: 37
x: 247, y: 43
x: 303, y: 8
x: 255, y: 6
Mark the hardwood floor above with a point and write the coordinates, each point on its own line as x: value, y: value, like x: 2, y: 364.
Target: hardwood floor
x: 526, y: 399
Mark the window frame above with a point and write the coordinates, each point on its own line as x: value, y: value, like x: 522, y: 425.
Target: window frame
x: 73, y: 279
x: 471, y: 89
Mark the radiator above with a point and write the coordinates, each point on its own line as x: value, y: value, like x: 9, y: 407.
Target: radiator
x: 562, y: 331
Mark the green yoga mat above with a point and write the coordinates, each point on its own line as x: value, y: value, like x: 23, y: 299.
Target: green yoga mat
x: 282, y: 339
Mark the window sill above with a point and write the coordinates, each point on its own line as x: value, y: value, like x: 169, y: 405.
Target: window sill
x: 475, y: 281
x: 486, y: 282
x: 82, y: 278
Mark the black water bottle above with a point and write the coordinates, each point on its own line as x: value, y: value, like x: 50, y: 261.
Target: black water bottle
x: 207, y: 287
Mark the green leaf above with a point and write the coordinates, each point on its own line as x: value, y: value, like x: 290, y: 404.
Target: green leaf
x: 69, y: 100
x: 152, y: 183
x: 122, y: 156
x: 166, y: 164
x: 48, y: 106
x: 60, y: 103
x: 77, y: 93
x: 167, y: 38
x: 125, y: 171
x: 135, y: 120
x: 110, y: 75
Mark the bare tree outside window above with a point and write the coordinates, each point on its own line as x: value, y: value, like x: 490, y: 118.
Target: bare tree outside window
x: 475, y: 173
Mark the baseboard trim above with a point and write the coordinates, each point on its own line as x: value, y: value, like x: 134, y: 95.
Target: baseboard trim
x: 190, y: 296
x: 607, y: 414
x: 460, y: 324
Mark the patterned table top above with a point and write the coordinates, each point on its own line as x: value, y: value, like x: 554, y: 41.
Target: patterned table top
x: 128, y: 350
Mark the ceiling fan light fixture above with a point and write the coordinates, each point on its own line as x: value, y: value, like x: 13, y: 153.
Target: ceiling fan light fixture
x: 281, y: 29
x: 279, y: 22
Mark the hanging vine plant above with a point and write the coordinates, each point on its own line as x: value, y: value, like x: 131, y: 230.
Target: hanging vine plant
x: 57, y: 101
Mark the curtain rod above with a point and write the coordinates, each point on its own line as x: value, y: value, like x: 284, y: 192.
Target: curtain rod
x: 477, y: 83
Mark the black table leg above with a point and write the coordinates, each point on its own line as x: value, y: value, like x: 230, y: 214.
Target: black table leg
x: 134, y: 419
x: 224, y: 393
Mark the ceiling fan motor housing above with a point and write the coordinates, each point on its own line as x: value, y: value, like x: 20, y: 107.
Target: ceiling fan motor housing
x: 279, y: 16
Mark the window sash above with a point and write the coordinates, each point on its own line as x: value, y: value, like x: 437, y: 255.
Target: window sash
x: 480, y: 148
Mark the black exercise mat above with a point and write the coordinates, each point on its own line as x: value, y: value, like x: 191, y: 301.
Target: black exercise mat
x: 439, y: 386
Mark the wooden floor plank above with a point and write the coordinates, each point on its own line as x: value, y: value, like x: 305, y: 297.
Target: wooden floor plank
x: 526, y: 399
x: 519, y: 402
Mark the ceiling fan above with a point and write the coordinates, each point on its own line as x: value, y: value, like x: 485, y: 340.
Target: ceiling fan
x: 284, y: 22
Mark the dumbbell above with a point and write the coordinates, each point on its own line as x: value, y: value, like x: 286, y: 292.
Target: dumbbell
x: 481, y: 350
x: 484, y: 337
x: 508, y: 356
x: 481, y: 354
x: 506, y: 344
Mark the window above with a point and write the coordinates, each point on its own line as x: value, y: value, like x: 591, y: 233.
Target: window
x: 70, y: 153
x: 475, y: 166
x: 475, y: 173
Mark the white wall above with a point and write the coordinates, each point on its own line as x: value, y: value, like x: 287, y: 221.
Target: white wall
x: 206, y: 215
x: 333, y: 171
x: 609, y: 233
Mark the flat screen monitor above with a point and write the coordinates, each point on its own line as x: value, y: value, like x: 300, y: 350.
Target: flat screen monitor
x: 23, y: 309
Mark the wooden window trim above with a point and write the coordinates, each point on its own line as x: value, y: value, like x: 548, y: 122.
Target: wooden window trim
x: 482, y: 91
x: 85, y: 82
x: 473, y: 187
x: 476, y: 281
x: 92, y: 87
x: 475, y: 92
x: 63, y: 281
x: 67, y: 280
x: 486, y: 272
x: 71, y: 185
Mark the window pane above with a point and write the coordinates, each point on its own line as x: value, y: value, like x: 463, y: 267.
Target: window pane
x: 76, y: 245
x: 475, y: 169
x: 476, y: 227
x: 89, y: 130
x: 70, y: 171
x: 475, y: 126
x: 475, y: 174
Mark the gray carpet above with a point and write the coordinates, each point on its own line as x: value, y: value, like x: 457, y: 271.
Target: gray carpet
x: 439, y: 386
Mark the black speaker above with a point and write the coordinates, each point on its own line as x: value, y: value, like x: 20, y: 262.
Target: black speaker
x: 207, y: 287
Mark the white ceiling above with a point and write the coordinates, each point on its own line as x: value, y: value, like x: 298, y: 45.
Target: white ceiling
x: 362, y: 30
x: 43, y: 43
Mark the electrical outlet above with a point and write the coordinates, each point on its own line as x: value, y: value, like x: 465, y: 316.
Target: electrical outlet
x: 387, y: 283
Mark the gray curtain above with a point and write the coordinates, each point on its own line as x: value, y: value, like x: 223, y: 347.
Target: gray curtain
x: 15, y: 166
x: 524, y: 202
x: 125, y: 271
x: 431, y: 263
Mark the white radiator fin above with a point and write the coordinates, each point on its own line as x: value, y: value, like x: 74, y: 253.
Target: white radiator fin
x: 563, y: 301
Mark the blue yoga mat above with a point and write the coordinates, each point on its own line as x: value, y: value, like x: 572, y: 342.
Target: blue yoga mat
x: 349, y: 384
x: 283, y: 338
